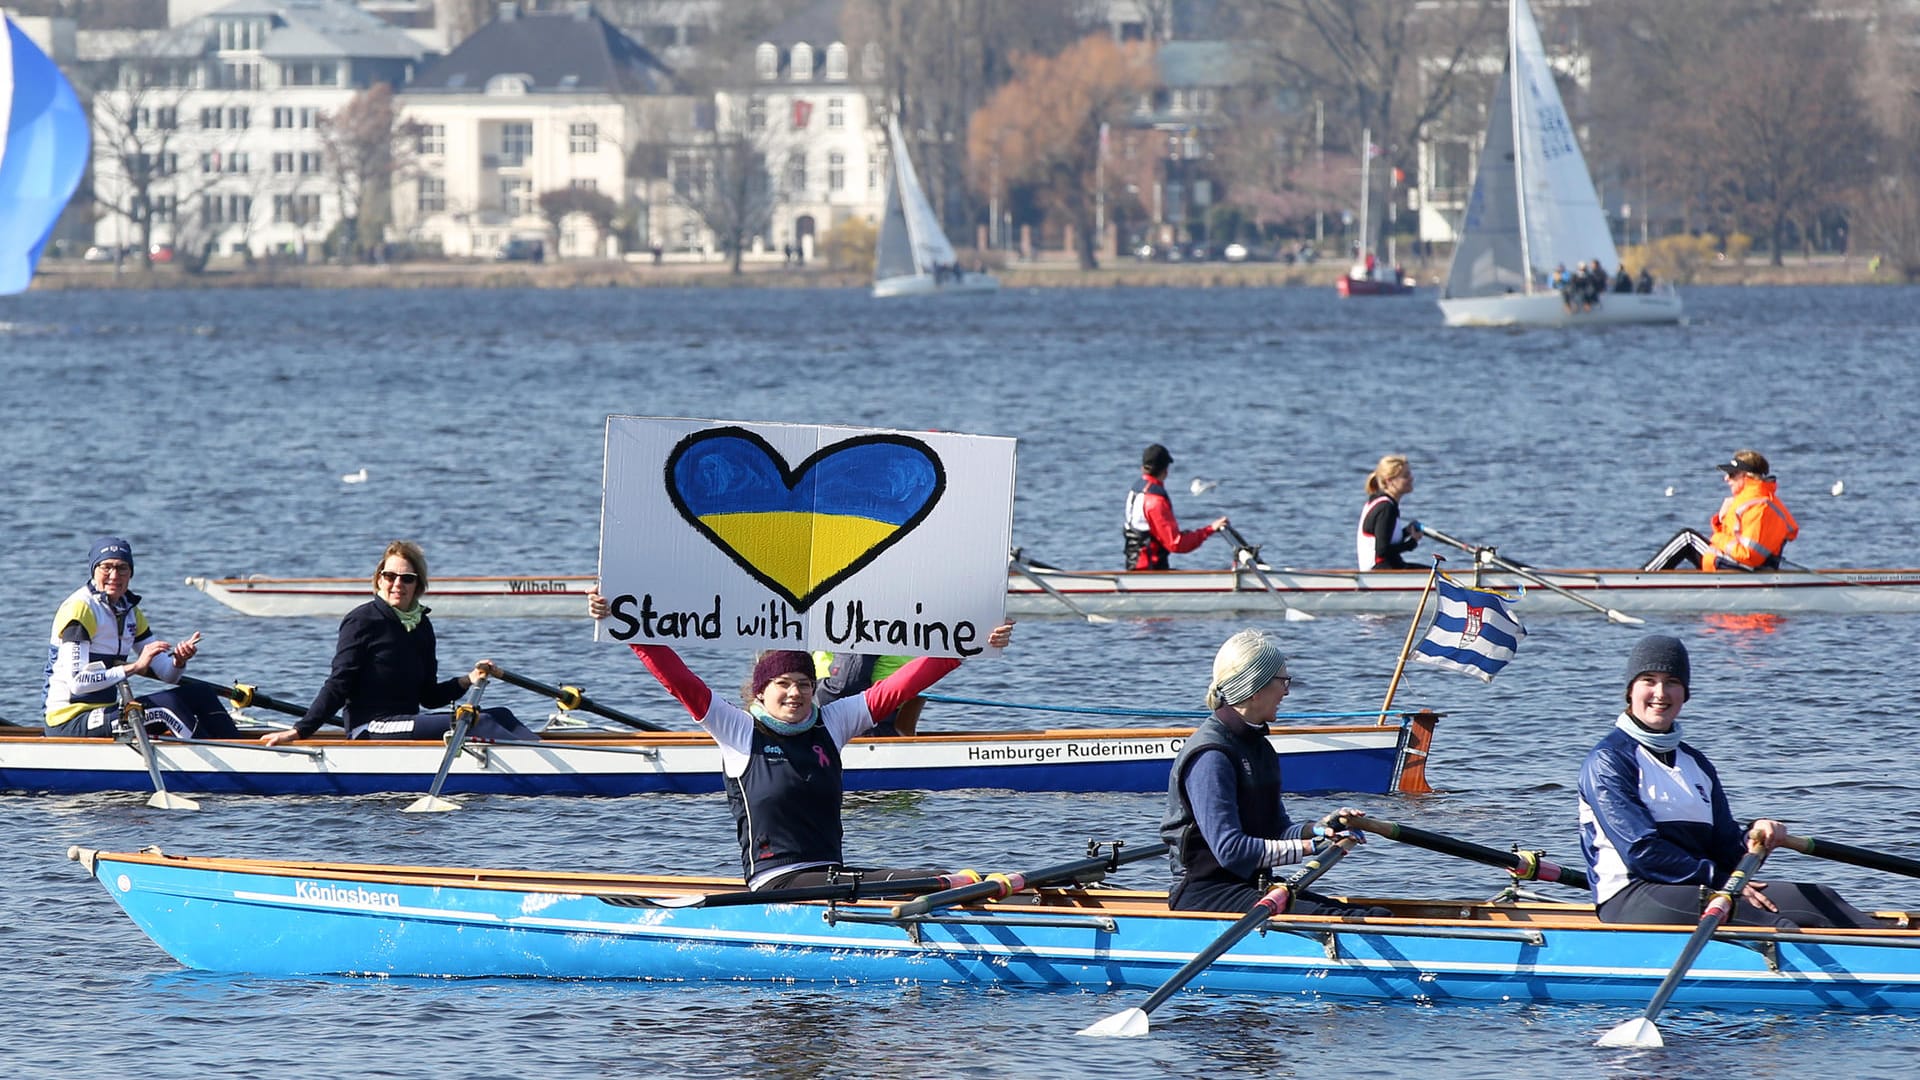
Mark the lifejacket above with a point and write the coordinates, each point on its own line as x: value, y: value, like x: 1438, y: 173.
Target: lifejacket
x: 786, y: 805
x: 1751, y: 529
x: 1139, y: 537
x: 114, y: 633
x: 1257, y: 795
x: 1363, y: 541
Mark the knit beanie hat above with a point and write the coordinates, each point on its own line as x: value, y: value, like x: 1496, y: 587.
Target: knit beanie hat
x: 777, y: 662
x: 109, y: 547
x: 1659, y: 653
x: 1248, y: 661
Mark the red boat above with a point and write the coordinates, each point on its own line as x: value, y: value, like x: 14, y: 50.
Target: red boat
x: 1353, y: 286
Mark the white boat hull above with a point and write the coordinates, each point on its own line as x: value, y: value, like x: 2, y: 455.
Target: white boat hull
x: 1193, y: 593
x: 1547, y: 310
x: 925, y: 285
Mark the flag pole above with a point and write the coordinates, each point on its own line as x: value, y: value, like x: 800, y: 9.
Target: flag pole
x: 1406, y: 649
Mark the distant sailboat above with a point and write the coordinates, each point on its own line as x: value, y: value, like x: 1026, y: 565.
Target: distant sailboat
x: 44, y: 139
x: 913, y: 257
x: 1533, y: 209
x: 1367, y: 276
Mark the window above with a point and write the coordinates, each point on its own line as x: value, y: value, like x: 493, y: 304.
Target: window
x: 433, y: 195
x: 210, y: 119
x: 282, y: 118
x: 516, y: 195
x: 802, y: 67
x: 588, y: 184
x: 167, y: 118
x: 282, y: 163
x: 757, y: 115
x: 222, y: 209
x: 836, y: 61
x: 796, y: 172
x: 306, y: 208
x: 836, y: 112
x: 836, y: 171
x: 582, y: 138
x: 310, y: 162
x: 309, y: 117
x: 282, y: 208
x: 684, y: 170
x: 231, y: 76
x: 431, y: 139
x: 163, y: 208
x: 766, y: 62
x: 310, y: 74
x: 240, y: 118
x: 516, y: 143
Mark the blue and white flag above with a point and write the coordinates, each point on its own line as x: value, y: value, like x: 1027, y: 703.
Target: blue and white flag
x: 1473, y: 631
x: 44, y: 139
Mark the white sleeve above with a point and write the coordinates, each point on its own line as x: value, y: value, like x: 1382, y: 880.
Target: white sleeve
x: 847, y: 719
x: 732, y: 727
x: 78, y: 673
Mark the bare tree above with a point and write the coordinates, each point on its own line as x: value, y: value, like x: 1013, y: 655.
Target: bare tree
x: 723, y: 180
x: 1386, y: 66
x: 1890, y: 205
x: 144, y: 165
x: 365, y: 148
x: 558, y: 205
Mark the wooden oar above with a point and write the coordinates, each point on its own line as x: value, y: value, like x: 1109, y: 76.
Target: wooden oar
x: 243, y: 695
x: 1856, y: 856
x: 135, y: 713
x: 1489, y: 555
x: 853, y: 889
x: 995, y: 886
x: 1020, y: 567
x: 1640, y: 1032
x: 1524, y: 865
x: 1294, y: 614
x: 570, y: 698
x: 463, y: 717
x: 1134, y: 1022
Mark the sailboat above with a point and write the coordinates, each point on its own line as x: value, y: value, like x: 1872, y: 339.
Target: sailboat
x: 44, y: 141
x: 913, y: 257
x: 1367, y: 277
x: 1534, y: 209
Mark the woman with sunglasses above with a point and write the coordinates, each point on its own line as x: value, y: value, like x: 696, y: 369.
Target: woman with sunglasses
x: 386, y: 671
x: 1225, y: 822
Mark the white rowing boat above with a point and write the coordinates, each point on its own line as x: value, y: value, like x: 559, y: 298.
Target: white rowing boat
x: 1194, y: 593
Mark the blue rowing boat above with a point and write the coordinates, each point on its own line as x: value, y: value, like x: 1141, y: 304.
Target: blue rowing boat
x: 277, y: 917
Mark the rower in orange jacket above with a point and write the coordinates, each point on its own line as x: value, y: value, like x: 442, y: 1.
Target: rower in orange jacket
x: 1750, y: 530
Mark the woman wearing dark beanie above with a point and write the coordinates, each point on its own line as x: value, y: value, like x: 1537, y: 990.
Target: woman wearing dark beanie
x: 780, y: 755
x: 1654, y: 821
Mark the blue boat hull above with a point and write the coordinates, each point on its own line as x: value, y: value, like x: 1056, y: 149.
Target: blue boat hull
x: 278, y: 918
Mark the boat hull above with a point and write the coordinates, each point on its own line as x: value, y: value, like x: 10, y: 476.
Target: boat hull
x: 1547, y: 310
x: 1195, y: 593
x: 925, y: 285
x: 296, y: 918
x: 1336, y: 757
x: 1352, y: 286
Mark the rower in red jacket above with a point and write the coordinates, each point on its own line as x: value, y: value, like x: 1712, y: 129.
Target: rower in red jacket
x: 1151, y: 531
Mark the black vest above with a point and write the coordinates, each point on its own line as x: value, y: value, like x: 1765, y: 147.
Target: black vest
x: 786, y: 805
x: 1257, y: 768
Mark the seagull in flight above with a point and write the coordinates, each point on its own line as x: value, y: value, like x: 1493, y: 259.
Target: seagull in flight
x: 1201, y: 487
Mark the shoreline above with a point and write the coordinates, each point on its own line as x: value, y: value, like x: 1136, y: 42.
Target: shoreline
x: 68, y: 274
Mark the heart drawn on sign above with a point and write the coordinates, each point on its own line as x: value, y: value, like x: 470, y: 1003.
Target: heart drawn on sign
x: 804, y: 529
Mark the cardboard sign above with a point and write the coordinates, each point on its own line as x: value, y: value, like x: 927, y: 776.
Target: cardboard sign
x: 796, y: 536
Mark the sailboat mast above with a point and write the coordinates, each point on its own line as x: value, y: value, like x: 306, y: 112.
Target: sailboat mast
x: 1514, y: 104
x: 1366, y: 188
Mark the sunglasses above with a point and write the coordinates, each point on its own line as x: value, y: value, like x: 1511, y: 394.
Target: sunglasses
x: 404, y: 579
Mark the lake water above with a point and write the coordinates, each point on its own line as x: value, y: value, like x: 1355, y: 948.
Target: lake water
x: 214, y: 428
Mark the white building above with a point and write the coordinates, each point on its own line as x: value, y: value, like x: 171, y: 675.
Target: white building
x: 534, y: 103
x: 208, y: 132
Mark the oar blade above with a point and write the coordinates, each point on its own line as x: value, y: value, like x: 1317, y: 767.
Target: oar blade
x: 1130, y: 1024
x: 167, y: 800
x: 1294, y: 614
x: 1638, y: 1033
x: 430, y: 804
x: 1624, y: 619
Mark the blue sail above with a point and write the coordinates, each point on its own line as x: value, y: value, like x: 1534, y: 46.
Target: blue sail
x: 44, y: 141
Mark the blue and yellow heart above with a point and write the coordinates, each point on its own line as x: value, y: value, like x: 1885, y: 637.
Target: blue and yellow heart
x: 804, y: 529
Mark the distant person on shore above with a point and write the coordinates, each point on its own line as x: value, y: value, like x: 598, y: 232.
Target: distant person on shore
x: 847, y: 674
x: 386, y: 667
x: 1148, y: 525
x: 1383, y: 539
x: 780, y: 754
x: 1644, y: 283
x: 100, y: 640
x: 1750, y: 530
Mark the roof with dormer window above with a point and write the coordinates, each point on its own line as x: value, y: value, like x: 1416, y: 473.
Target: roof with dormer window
x: 565, y: 52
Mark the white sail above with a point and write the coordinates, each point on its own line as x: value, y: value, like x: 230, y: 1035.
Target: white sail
x: 893, y: 251
x: 930, y: 246
x: 1562, y: 217
x: 1487, y: 260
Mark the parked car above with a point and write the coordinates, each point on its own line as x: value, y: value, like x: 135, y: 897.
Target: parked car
x: 1235, y: 253
x: 161, y: 253
x: 522, y: 250
x: 98, y: 254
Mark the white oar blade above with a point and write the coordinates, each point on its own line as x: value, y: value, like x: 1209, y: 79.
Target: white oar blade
x: 1637, y: 1033
x: 1130, y: 1024
x: 164, y: 800
x: 1099, y: 620
x: 1625, y: 619
x: 1294, y: 614
x: 430, y: 804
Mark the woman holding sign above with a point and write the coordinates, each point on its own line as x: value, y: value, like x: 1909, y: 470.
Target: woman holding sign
x: 780, y: 755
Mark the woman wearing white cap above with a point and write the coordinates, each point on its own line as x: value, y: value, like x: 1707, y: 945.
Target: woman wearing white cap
x: 1225, y: 821
x: 1654, y: 822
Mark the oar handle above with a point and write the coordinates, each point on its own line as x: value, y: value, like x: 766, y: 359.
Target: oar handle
x: 571, y: 697
x: 244, y: 695
x: 1525, y: 865
x: 845, y: 890
x: 1856, y: 856
x: 996, y: 886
